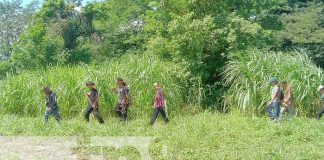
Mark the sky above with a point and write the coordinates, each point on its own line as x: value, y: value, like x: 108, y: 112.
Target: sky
x: 25, y: 2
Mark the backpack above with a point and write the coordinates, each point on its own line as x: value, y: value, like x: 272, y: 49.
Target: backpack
x: 282, y: 96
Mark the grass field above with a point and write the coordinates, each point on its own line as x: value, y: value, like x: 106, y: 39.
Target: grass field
x: 205, y: 135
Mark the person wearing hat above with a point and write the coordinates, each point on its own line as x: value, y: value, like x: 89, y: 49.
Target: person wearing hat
x: 158, y: 105
x: 321, y: 110
x: 273, y: 107
x: 287, y: 102
x: 51, y: 105
x: 93, y: 103
x: 121, y: 107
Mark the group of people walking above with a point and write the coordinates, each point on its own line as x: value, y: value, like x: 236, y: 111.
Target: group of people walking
x: 121, y: 106
x: 282, y: 100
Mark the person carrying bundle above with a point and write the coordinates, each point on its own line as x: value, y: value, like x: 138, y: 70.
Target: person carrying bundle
x: 122, y: 104
x: 93, y: 103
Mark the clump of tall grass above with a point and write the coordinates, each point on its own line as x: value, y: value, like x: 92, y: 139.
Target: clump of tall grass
x: 247, y: 75
x: 22, y: 94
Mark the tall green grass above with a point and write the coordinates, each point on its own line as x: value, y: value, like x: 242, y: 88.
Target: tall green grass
x: 22, y: 94
x: 247, y: 75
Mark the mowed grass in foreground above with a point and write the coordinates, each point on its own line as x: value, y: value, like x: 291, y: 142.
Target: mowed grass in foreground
x: 203, y: 136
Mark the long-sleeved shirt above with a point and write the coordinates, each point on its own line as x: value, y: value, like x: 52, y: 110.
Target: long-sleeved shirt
x: 159, y: 99
x: 51, y: 101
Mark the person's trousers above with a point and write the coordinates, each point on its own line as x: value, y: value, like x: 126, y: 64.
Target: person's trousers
x: 320, y: 112
x: 121, y: 111
x: 96, y: 113
x: 54, y: 112
x: 273, y: 110
x: 156, y: 112
x: 290, y: 109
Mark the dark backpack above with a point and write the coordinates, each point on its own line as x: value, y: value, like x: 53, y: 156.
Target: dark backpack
x: 282, y: 96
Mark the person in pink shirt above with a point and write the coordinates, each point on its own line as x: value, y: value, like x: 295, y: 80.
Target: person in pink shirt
x: 158, y: 105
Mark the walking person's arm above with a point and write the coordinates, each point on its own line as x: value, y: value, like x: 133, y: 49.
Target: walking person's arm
x: 153, y: 100
x: 288, y: 97
x: 95, y: 102
x: 114, y: 90
x: 274, y: 97
x: 125, y: 99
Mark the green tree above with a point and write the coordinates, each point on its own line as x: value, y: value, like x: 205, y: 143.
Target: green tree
x: 58, y: 34
x: 303, y: 27
x: 13, y: 21
x: 119, y: 26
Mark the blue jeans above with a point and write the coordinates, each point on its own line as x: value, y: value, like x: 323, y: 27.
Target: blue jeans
x: 273, y: 110
x: 54, y: 112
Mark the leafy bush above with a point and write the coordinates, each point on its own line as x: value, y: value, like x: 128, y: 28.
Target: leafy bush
x: 22, y: 94
x: 5, y: 68
x: 247, y: 75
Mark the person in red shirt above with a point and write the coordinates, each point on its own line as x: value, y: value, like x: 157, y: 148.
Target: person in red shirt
x: 158, y: 105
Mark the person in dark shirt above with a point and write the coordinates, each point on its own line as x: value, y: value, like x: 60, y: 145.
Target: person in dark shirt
x: 93, y: 103
x: 51, y: 105
x: 122, y: 104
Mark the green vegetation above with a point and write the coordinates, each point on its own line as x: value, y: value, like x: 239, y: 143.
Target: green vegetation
x: 231, y: 136
x: 22, y: 94
x: 302, y: 27
x: 247, y: 74
x: 212, y: 57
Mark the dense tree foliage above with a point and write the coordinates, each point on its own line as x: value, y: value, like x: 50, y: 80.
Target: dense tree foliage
x: 13, y: 21
x: 302, y: 26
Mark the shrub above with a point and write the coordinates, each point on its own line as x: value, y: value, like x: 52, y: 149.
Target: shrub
x: 247, y: 75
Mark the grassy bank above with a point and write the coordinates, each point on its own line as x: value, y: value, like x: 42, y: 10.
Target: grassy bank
x: 202, y: 136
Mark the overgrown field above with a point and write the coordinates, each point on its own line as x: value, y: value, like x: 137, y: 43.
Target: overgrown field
x: 21, y: 94
x: 203, y: 136
x: 247, y: 74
